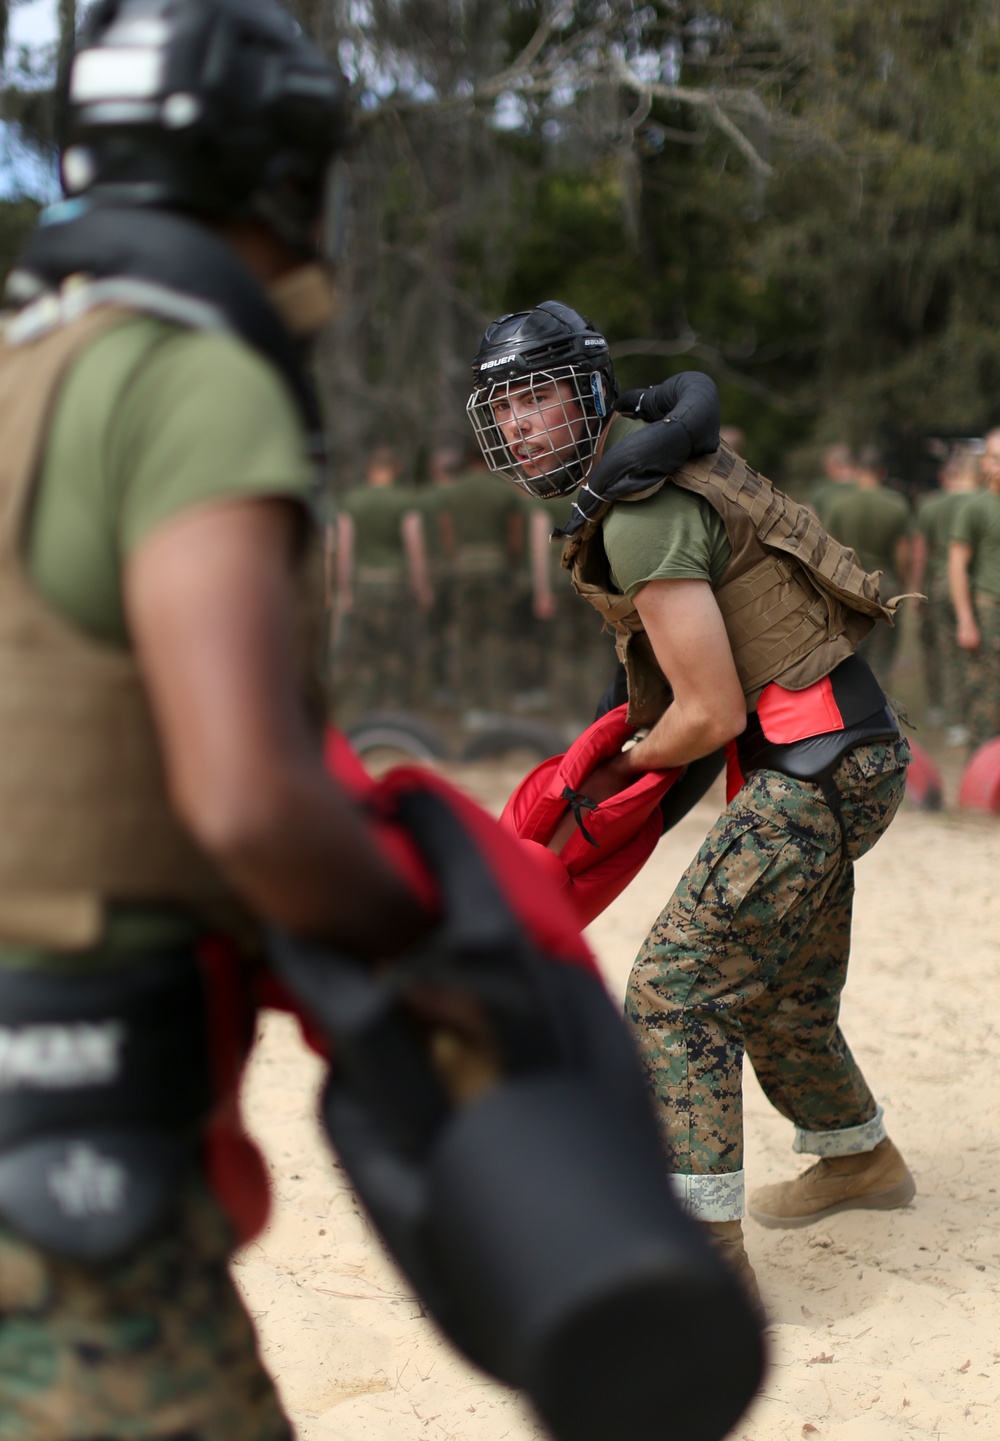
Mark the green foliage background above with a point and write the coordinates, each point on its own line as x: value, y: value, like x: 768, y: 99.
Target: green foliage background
x: 846, y: 286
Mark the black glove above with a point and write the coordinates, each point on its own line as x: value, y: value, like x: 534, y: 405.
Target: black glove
x: 683, y: 415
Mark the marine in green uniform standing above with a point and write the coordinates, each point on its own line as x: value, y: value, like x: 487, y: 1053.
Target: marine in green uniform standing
x: 482, y: 532
x: 730, y: 634
x: 383, y: 591
x: 877, y: 524
x: 444, y: 466
x: 944, y: 660
x: 838, y: 471
x: 974, y: 578
x: 577, y: 659
x: 161, y: 776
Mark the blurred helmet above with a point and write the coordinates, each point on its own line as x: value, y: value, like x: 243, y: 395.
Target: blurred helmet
x: 220, y: 107
x: 543, y: 389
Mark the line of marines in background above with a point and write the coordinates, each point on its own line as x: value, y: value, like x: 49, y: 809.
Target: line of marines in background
x: 449, y: 595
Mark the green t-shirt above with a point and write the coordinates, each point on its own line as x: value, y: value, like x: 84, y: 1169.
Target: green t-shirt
x: 480, y: 508
x: 377, y: 512
x: 871, y: 522
x: 672, y: 535
x: 825, y: 493
x: 935, y: 521
x: 978, y: 525
x: 152, y: 420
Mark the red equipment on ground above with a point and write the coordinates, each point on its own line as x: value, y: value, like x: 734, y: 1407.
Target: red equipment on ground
x: 612, y: 840
x: 923, y: 781
x: 980, y: 788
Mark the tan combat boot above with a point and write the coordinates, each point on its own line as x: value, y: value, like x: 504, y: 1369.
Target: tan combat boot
x: 727, y: 1238
x: 875, y: 1180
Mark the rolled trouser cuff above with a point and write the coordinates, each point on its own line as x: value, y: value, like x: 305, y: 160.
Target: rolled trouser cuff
x: 711, y: 1198
x: 848, y: 1142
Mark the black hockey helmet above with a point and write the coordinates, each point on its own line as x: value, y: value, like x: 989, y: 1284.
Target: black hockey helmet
x: 552, y: 365
x: 219, y: 107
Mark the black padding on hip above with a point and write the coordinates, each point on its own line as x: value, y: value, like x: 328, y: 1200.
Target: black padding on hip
x: 129, y: 1046
x: 105, y: 1081
x: 92, y: 1195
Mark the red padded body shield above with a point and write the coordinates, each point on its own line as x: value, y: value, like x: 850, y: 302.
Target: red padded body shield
x: 548, y: 917
x: 233, y: 1164
x: 626, y: 827
x: 234, y: 1167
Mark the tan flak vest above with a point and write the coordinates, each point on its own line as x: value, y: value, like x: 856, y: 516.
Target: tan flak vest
x: 84, y: 816
x: 795, y: 602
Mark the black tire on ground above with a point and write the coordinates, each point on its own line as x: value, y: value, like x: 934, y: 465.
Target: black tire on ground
x: 514, y: 735
x: 398, y: 731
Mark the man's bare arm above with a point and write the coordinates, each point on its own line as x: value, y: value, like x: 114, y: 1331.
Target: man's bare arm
x: 543, y: 601
x: 688, y: 636
x: 417, y: 559
x: 210, y: 602
x: 959, y: 558
x: 344, y: 565
x: 920, y: 557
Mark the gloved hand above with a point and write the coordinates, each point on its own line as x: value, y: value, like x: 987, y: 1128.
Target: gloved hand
x: 683, y: 415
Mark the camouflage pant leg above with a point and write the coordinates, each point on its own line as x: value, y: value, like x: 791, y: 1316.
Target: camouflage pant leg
x: 583, y: 661
x: 378, y: 669
x: 484, y: 641
x: 879, y: 647
x: 930, y: 656
x: 157, y: 1345
x: 983, y: 673
x: 748, y: 917
x: 951, y: 664
x: 791, y: 1030
x: 442, y: 669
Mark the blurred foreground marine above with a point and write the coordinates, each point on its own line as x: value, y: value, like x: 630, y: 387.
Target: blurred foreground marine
x: 737, y: 619
x: 162, y: 775
x: 164, y: 793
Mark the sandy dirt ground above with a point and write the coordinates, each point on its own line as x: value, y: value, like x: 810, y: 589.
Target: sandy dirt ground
x: 885, y: 1326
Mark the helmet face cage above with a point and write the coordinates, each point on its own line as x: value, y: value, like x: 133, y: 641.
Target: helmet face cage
x: 540, y: 431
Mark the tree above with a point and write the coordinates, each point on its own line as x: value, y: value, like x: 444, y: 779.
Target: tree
x: 477, y: 122
x: 885, y: 243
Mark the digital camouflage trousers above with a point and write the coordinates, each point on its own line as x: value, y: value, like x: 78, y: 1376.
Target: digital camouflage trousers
x: 983, y: 673
x: 751, y: 954
x: 945, y: 663
x: 157, y: 1345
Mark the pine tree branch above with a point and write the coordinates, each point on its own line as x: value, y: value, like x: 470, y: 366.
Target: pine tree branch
x: 709, y: 102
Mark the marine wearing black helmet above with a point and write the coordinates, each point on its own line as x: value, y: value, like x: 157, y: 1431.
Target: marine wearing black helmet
x: 732, y: 634
x: 223, y: 109
x: 555, y: 360
x: 544, y: 393
x: 161, y: 775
